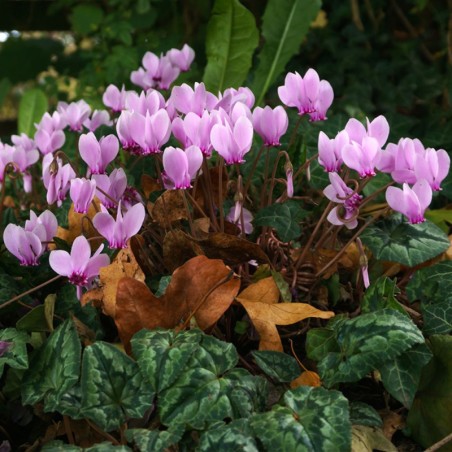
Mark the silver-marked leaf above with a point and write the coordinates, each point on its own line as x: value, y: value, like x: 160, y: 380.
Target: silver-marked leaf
x: 54, y: 368
x: 113, y: 389
x: 320, y: 342
x: 381, y: 295
x: 70, y: 403
x: 363, y: 414
x: 280, y: 367
x: 232, y: 37
x: 231, y: 437
x: 437, y: 317
x: 284, y: 27
x: 366, y: 343
x: 155, y: 440
x: 208, y: 390
x: 312, y: 420
x: 394, y: 239
x: 163, y: 354
x: 283, y: 217
x: 14, y: 349
x: 401, y: 376
x: 57, y: 445
x: 31, y: 108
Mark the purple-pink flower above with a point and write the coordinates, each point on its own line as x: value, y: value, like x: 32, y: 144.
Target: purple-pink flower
x: 330, y: 150
x: 181, y: 166
x: 183, y: 58
x: 98, y: 118
x: 82, y: 192
x: 74, y: 114
x: 433, y: 166
x: 118, y: 231
x: 98, y: 154
x: 270, y: 124
x: 363, y: 157
x: 411, y: 202
x: 45, y: 226
x: 25, y: 245
x: 113, y: 185
x: 57, y: 178
x: 339, y: 192
x: 114, y: 98
x: 79, y: 266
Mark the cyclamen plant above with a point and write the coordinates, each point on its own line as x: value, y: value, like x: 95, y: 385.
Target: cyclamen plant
x: 217, y: 188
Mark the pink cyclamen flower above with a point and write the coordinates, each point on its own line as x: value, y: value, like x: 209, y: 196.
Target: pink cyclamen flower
x: 181, y: 166
x: 185, y: 99
x: 56, y: 178
x: 45, y: 226
x: 309, y: 94
x: 234, y: 216
x: 74, y: 114
x: 340, y: 193
x: 150, y: 102
x: 232, y: 143
x: 364, y: 157
x: 433, y: 166
x: 98, y: 118
x: 79, y: 266
x: 118, y: 231
x: 378, y: 129
x: 98, y: 154
x: 411, y: 202
x: 82, y: 192
x: 270, y: 124
x: 183, y: 58
x: 25, y: 245
x: 23, y: 141
x: 330, y: 150
x: 114, y: 98
x: 113, y: 185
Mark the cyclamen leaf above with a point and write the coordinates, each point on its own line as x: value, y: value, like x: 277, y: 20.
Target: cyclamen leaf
x: 381, y: 295
x: 312, y: 420
x: 15, y: 354
x: 437, y: 317
x: 364, y: 344
x: 401, y: 376
x: 231, y: 437
x: 363, y: 414
x: 113, y: 388
x: 155, y: 440
x: 54, y: 368
x: 31, y: 108
x: 394, y: 239
x: 232, y: 37
x: 284, y: 26
x: 280, y: 367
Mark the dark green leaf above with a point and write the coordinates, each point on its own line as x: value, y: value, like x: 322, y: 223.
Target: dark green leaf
x: 320, y: 342
x: 163, y: 354
x: 284, y: 27
x: 363, y: 414
x: 312, y: 420
x: 401, y: 376
x: 39, y: 318
x: 54, y: 368
x: 283, y: 217
x: 365, y: 343
x: 437, y: 317
x: 394, y: 239
x: 430, y: 417
x: 86, y: 18
x: 16, y: 354
x: 283, y: 286
x: 113, y: 389
x: 31, y: 108
x: 231, y: 39
x: 280, y: 367
x: 381, y: 295
x: 228, y: 438
x: 155, y: 440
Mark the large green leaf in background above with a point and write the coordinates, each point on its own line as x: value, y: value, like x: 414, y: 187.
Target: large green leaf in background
x: 231, y: 39
x: 113, y: 389
x: 284, y: 26
x: 312, y: 420
x: 281, y: 367
x: 361, y: 345
x: 16, y: 354
x: 31, y: 108
x: 394, y: 239
x: 430, y: 417
x: 155, y: 440
x: 433, y: 287
x: 54, y: 368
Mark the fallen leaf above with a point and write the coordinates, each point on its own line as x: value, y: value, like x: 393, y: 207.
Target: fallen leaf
x: 168, y: 208
x: 307, y: 378
x: 178, y: 248
x: 202, y: 287
x: 149, y: 185
x: 392, y: 422
x: 367, y: 439
x: 124, y: 265
x: 261, y: 303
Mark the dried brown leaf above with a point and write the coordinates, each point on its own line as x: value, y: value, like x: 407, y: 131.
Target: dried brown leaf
x: 168, y: 208
x: 178, y: 248
x: 307, y: 378
x: 149, y: 185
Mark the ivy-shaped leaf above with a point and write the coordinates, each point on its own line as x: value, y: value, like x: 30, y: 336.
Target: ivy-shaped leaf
x: 401, y: 376
x: 231, y: 39
x: 364, y: 344
x: 284, y: 26
x: 437, y: 317
x: 280, y: 367
x: 394, y: 239
x: 363, y: 414
x: 311, y: 420
x: 163, y: 354
x: 54, y: 368
x: 210, y: 389
x: 381, y: 295
x: 113, y: 389
x: 155, y: 440
x: 283, y: 217
x: 231, y: 437
x: 14, y: 350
